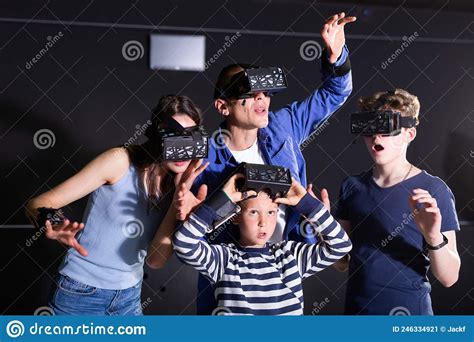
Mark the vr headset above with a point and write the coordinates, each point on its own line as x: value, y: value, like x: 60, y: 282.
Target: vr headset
x: 249, y: 82
x: 276, y: 180
x: 181, y: 143
x: 386, y: 123
x: 191, y: 143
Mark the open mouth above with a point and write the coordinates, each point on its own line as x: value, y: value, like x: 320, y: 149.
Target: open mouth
x: 261, y: 110
x: 261, y: 235
x: 378, y: 147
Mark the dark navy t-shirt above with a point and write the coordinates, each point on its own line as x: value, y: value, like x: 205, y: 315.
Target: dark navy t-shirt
x: 389, y: 263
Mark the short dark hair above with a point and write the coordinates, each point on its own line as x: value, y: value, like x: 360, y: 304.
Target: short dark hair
x: 225, y: 76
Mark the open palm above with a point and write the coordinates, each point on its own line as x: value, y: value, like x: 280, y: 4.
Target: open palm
x: 333, y: 35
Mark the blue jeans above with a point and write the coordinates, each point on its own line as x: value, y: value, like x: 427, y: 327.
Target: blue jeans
x: 72, y: 297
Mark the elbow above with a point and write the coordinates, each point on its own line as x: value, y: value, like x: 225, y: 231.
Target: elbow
x: 159, y: 254
x: 159, y: 258
x: 449, y: 282
x: 155, y: 264
x: 349, y: 245
x: 342, y: 265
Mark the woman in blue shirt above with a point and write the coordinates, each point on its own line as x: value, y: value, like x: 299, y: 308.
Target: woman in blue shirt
x: 130, y: 193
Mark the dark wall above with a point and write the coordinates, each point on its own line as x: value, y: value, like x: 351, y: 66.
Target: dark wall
x: 91, y: 98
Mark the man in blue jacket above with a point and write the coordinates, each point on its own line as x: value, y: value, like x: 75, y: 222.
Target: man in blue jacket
x: 250, y: 133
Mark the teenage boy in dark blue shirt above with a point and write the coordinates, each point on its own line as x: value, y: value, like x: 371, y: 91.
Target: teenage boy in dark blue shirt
x: 402, y: 221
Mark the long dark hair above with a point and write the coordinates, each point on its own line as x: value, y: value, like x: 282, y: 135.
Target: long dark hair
x: 147, y: 156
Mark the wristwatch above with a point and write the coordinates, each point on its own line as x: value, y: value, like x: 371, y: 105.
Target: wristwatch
x: 441, y: 245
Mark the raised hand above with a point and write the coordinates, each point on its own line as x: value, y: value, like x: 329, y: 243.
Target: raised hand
x: 333, y: 35
x: 294, y: 195
x: 185, y: 201
x: 427, y: 216
x: 194, y: 169
x: 230, y: 188
x: 324, y: 196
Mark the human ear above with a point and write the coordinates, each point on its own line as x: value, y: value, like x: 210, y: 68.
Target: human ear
x: 235, y: 219
x: 411, y: 134
x: 222, y: 107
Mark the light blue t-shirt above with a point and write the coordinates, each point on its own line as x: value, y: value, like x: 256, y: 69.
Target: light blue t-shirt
x: 118, y: 230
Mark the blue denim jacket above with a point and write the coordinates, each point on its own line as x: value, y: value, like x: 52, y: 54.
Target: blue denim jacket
x: 279, y: 143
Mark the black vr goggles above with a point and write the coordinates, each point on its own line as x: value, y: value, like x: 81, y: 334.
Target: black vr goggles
x: 276, y: 180
x: 387, y: 123
x: 191, y: 143
x: 181, y: 143
x: 249, y: 82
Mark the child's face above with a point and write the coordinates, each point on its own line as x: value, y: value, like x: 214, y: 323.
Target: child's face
x: 386, y: 149
x: 257, y: 221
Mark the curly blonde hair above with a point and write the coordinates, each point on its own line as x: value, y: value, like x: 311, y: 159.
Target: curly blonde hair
x: 399, y: 100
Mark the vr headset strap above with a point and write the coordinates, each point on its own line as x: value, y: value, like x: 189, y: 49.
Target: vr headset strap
x: 407, y: 121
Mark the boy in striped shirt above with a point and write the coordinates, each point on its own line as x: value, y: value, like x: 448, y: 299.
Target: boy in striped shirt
x: 252, y: 277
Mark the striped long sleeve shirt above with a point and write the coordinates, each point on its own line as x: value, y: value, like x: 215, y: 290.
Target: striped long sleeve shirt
x: 262, y: 281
